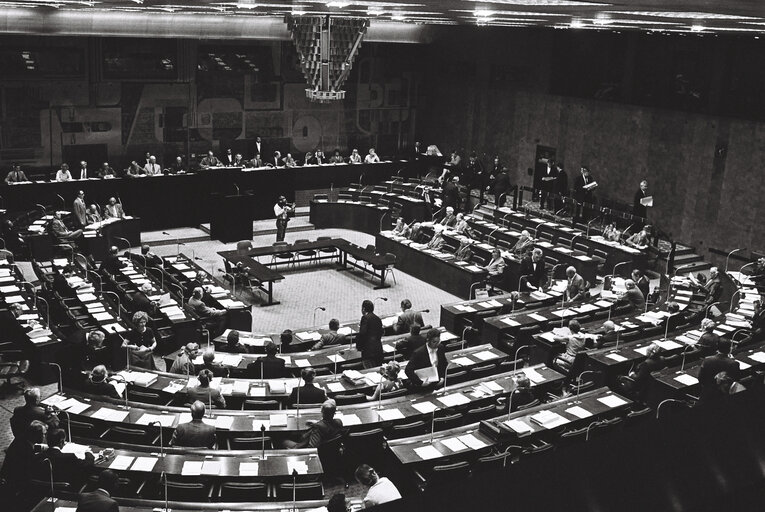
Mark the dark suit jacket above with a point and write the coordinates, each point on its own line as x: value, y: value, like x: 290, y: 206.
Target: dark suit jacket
x: 645, y: 369
x: 369, y: 338
x: 406, y: 319
x: 408, y: 345
x: 309, y: 394
x: 273, y: 368
x: 644, y: 285
x: 710, y: 367
x: 637, y: 208
x: 195, y: 434
x: 714, y: 290
x: 20, y: 459
x: 100, y: 389
x: 323, y: 431
x: 421, y: 359
x: 96, y: 501
x: 175, y: 168
x: 580, y: 194
x: 206, y: 395
x: 24, y: 415
x: 236, y: 349
x: 111, y: 264
x: 502, y: 184
x: 66, y: 467
x: 547, y: 185
x: 538, y: 275
x: 451, y: 195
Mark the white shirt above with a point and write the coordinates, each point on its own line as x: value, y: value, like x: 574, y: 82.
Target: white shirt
x: 279, y: 212
x: 433, y: 354
x: 151, y: 169
x: 381, y: 492
x: 355, y: 158
x: 370, y: 159
x: 62, y: 175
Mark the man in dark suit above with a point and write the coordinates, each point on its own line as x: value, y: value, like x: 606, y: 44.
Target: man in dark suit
x: 328, y: 428
x: 208, y: 363
x: 100, y: 500
x: 111, y: 262
x: 196, y: 433
x: 502, y: 187
x: 67, y: 467
x: 451, y: 193
x: 633, y: 296
x: 369, y: 338
x: 407, y: 318
x: 642, y: 282
x: 561, y: 185
x: 150, y: 259
x: 228, y: 158
x: 407, y: 346
x: 714, y: 364
x: 20, y: 459
x: 547, y: 185
x: 98, y: 385
x: 307, y: 393
x: 24, y: 415
x: 268, y: 366
x: 642, y: 374
x: 534, y: 268
x: 177, y: 166
x: 713, y: 287
x: 209, y: 161
x: 582, y: 193
x: 638, y: 209
x: 232, y: 344
x: 433, y: 354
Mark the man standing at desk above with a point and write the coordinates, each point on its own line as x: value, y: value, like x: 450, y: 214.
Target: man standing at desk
x: 428, y: 364
x: 369, y: 338
x: 80, y: 210
x: 282, y: 211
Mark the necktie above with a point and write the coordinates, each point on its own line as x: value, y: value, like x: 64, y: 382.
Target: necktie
x: 84, y: 173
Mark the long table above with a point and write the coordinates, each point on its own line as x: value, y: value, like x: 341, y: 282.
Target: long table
x: 136, y: 505
x: 358, y: 216
x: 185, y: 200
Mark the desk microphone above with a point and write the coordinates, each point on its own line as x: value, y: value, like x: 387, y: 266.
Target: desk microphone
x: 236, y: 187
x: 161, y: 441
x: 52, y: 492
x: 163, y: 477
x: 294, y: 489
x: 63, y: 201
x: 263, y: 441
x: 317, y: 308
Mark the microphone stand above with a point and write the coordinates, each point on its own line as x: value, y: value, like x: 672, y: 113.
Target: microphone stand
x: 263, y: 441
x: 658, y: 408
x: 729, y: 255
x: 52, y: 491
x: 432, y: 425
x: 100, y: 281
x: 47, y: 310
x: 68, y: 424
x: 117, y: 299
x: 579, y: 383
x: 317, y: 308
x: 233, y: 280
x: 161, y: 440
x: 510, y: 401
x: 297, y: 404
x: 163, y: 476
x: 60, y: 379
x: 515, y: 362
x: 294, y: 490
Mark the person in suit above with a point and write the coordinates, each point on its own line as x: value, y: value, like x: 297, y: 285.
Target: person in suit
x: 547, y: 185
x: 408, y: 345
x: 215, y: 319
x: 638, y: 209
x: 642, y: 374
x: 561, y: 186
x: 67, y: 467
x: 495, y: 268
x: 268, y: 366
x: 24, y: 415
x: 176, y: 167
x: 276, y: 160
x: 502, y: 187
x: 641, y: 239
x: 714, y: 364
x: 432, y: 354
x: 113, y: 209
x: 308, y: 393
x: 574, y: 343
x: 331, y: 337
x: 369, y: 338
x: 21, y: 459
x: 709, y: 341
x: 525, y: 241
x: 437, y: 242
x: 100, y: 500
x: 259, y: 145
x: 92, y: 216
x: 16, y: 175
x: 79, y: 208
x: 583, y: 194
x: 407, y: 318
x: 328, y: 428
x: 84, y: 172
x: 256, y: 161
x: 534, y: 268
x: 204, y: 392
x: 713, y: 287
x: 451, y: 193
x: 184, y: 363
x: 462, y: 227
x: 607, y: 334
x: 209, y: 364
x: 209, y: 161
x: 416, y: 235
x: 336, y: 158
x: 228, y: 159
x: 152, y: 168
x: 309, y: 159
x: 196, y: 433
x: 632, y: 295
x: 522, y: 395
x: 134, y: 170
x: 105, y: 171
x: 449, y: 219
x: 319, y: 157
x: 63, y: 174
x: 63, y: 234
x: 401, y: 228
x: 97, y: 384
x: 150, y: 258
x: 289, y: 161
x: 232, y: 344
x: 474, y: 172
x: 575, y: 286
x: 111, y: 262
x: 642, y: 282
x: 464, y: 252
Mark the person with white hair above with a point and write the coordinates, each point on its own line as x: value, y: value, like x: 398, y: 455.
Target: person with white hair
x: 632, y: 295
x: 708, y: 341
x: 449, y: 218
x: 327, y: 429
x: 606, y: 334
x: 215, y: 319
x: 355, y: 157
x: 372, y: 157
x: 524, y: 242
x: 575, y: 286
x: 462, y: 227
x: 495, y: 268
x: 712, y: 289
x: 437, y: 242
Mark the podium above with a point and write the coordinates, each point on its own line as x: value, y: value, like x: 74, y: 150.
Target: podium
x: 231, y: 217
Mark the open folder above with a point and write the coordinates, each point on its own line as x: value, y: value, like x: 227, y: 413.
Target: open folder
x: 427, y: 375
x: 647, y: 201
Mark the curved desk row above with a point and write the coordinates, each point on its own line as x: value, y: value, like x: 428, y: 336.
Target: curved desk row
x: 365, y: 217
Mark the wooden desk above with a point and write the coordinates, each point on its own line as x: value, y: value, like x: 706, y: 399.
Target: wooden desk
x: 364, y: 217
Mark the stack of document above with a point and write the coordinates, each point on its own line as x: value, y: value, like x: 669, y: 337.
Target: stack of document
x: 548, y: 419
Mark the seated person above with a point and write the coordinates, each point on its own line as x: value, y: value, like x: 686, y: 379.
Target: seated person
x: 726, y: 385
x: 712, y: 288
x: 24, y: 415
x: 449, y: 219
x: 401, y: 228
x: 355, y: 157
x: 575, y: 343
x: 610, y: 233
x: 289, y: 161
x: 437, y: 242
x: 416, y: 235
x: 641, y: 239
x: 641, y: 375
x: 379, y: 490
x: 150, y: 259
x: 105, y: 171
x: 97, y: 384
x: 708, y: 341
x: 206, y: 393
x: 642, y: 282
x: 208, y: 363
x: 111, y: 262
x: 371, y: 157
x: 431, y: 357
x: 16, y: 175
x: 309, y: 159
x: 407, y: 318
x: 134, y: 170
x: 285, y: 340
x: 66, y: 467
x: 113, y: 209
x: 257, y: 161
x: 210, y: 161
x: 308, y: 393
x: 184, y: 363
x: 533, y: 267
x: 713, y: 365
x: 196, y: 433
x: 100, y: 500
x: 177, y: 167
x: 462, y: 227
x: 21, y: 460
x: 411, y: 343
x: 464, y: 252
x: 495, y: 268
x: 63, y: 234
x: 575, y: 287
x: 390, y: 380
x: 523, y: 395
x: 141, y: 343
x: 606, y: 334
x: 232, y: 344
x: 140, y: 301
x: 215, y: 319
x: 268, y: 366
x: 64, y: 174
x: 92, y: 216
x: 331, y: 337
x: 632, y: 296
x: 525, y: 241
x: 336, y: 158
x: 328, y: 428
